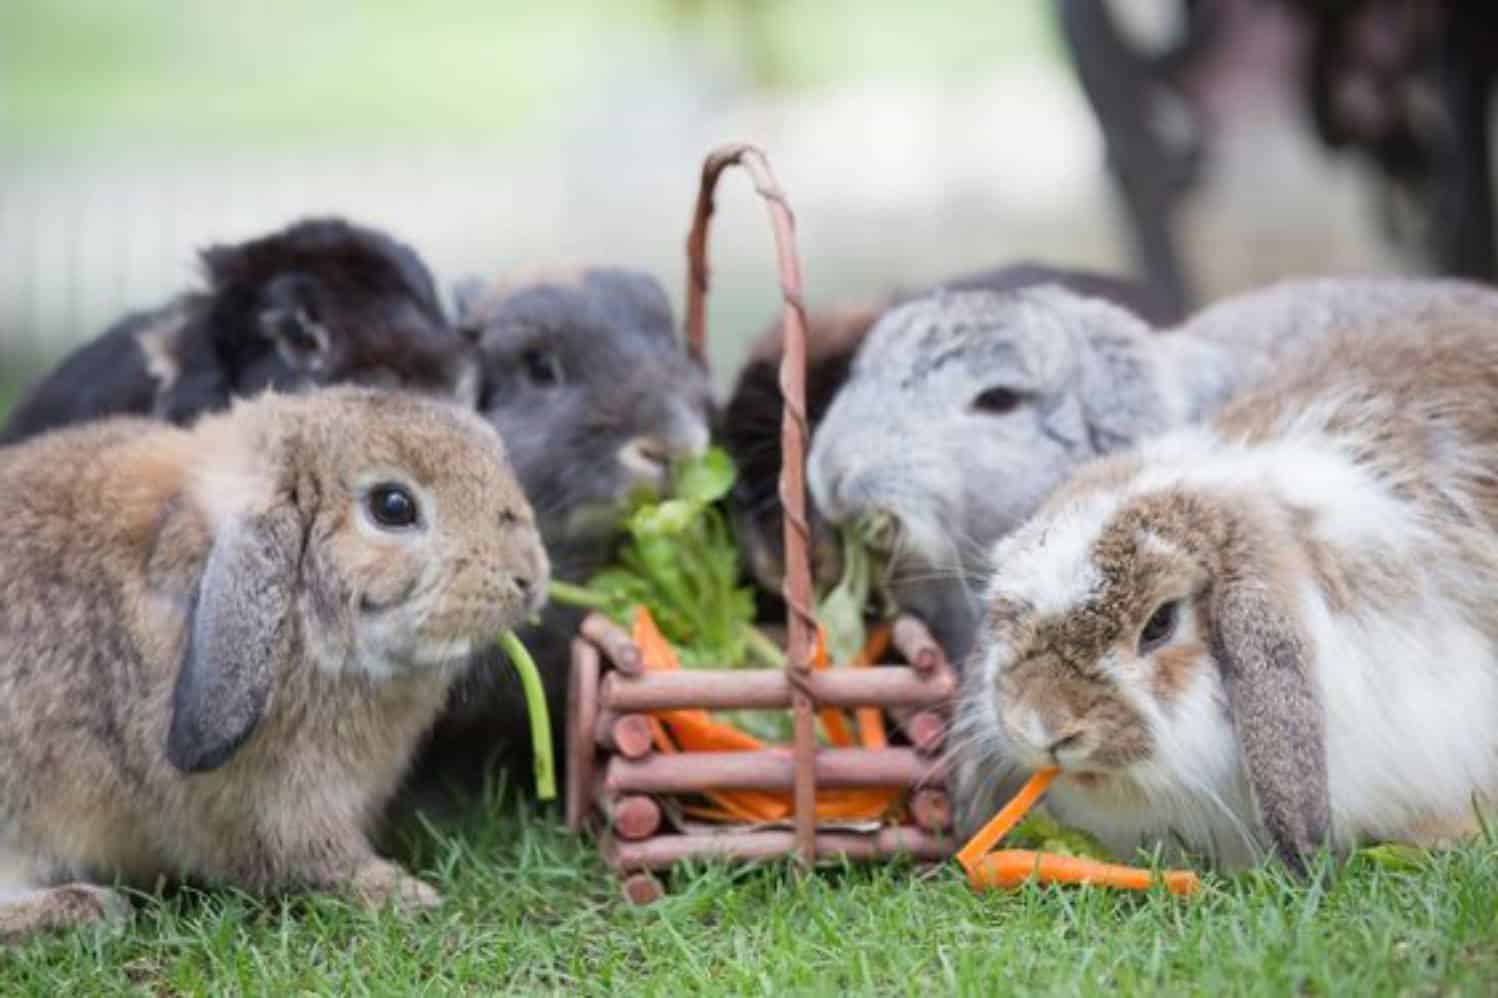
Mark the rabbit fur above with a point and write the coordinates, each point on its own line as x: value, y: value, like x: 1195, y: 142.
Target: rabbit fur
x: 749, y: 423
x: 964, y: 410
x: 1269, y: 633
x: 216, y: 661
x: 586, y: 378
x: 319, y: 302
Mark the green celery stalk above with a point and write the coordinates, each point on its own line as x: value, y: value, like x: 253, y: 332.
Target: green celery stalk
x: 535, y: 707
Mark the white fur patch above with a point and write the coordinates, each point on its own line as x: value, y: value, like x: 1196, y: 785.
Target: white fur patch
x: 226, y: 489
x: 1411, y: 699
x: 1047, y: 563
x: 1306, y: 469
x: 158, y: 345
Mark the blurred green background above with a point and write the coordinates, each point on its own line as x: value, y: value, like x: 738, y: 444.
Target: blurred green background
x: 915, y: 140
x: 286, y: 71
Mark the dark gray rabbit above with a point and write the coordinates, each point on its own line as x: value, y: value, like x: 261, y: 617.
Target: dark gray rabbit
x: 587, y: 380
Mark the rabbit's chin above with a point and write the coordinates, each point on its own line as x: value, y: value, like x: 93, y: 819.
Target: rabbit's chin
x: 1183, y: 808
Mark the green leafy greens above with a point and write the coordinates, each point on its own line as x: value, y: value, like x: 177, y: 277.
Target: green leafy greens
x: 679, y: 561
x: 1044, y: 834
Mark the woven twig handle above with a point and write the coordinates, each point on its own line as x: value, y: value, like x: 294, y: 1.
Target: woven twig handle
x: 796, y: 588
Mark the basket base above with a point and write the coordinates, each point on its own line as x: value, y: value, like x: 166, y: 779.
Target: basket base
x: 663, y: 851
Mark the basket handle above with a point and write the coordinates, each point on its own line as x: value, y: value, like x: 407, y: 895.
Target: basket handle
x: 796, y: 588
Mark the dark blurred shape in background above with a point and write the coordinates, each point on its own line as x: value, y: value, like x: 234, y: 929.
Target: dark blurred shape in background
x: 1404, y: 85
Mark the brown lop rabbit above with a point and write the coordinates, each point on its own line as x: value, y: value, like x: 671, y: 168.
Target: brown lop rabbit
x: 219, y: 646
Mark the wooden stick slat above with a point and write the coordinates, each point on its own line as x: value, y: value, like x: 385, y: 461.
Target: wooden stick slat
x: 662, y: 851
x: 913, y: 640
x: 627, y: 734
x: 770, y: 769
x: 582, y: 715
x: 772, y: 689
x: 631, y: 816
x: 615, y: 643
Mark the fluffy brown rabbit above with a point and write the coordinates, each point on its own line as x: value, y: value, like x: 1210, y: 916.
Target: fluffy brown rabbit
x: 1268, y: 633
x: 220, y: 645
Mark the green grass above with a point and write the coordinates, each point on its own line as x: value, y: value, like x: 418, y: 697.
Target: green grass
x: 530, y: 910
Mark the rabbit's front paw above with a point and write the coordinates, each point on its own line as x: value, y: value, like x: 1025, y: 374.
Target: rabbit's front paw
x: 382, y: 883
x: 66, y: 907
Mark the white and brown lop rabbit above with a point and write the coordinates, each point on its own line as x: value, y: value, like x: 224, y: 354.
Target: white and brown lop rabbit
x: 219, y: 646
x: 1270, y: 633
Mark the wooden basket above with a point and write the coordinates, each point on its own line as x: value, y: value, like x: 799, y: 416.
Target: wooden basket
x: 618, y: 784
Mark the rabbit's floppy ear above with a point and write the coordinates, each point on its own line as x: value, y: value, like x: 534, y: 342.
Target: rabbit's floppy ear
x: 473, y: 298
x: 1276, y: 716
x: 239, y: 628
x: 1122, y: 401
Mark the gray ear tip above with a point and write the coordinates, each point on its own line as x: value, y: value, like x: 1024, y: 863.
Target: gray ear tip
x: 1307, y: 862
x: 189, y: 752
x: 467, y: 291
x: 191, y: 749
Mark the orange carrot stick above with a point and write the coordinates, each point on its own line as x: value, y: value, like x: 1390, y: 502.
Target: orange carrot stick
x: 1012, y: 867
x: 871, y: 732
x: 696, y: 731
x: 1008, y: 816
x: 833, y: 721
x: 853, y: 805
x: 704, y: 813
x: 686, y: 730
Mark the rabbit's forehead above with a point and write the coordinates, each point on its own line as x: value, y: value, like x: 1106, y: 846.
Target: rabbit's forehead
x: 573, y: 325
x: 1082, y: 578
x: 1047, y: 565
x: 438, y: 445
x: 1014, y: 347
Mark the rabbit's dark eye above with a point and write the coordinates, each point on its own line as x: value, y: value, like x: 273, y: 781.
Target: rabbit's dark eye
x: 997, y: 401
x: 392, y: 506
x: 542, y: 367
x: 1159, y: 628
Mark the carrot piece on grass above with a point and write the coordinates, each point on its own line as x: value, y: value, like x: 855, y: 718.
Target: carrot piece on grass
x: 1008, y: 816
x: 1012, y: 867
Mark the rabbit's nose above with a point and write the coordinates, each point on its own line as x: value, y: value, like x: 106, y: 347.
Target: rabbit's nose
x: 532, y: 591
x: 846, y: 493
x: 1034, y: 739
x: 647, y: 459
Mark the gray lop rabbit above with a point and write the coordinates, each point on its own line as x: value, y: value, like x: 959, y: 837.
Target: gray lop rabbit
x: 586, y: 377
x: 220, y: 645
x: 964, y: 410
